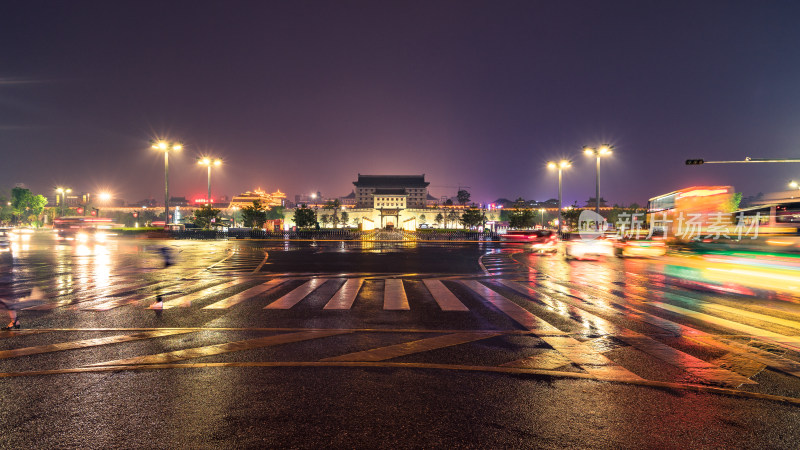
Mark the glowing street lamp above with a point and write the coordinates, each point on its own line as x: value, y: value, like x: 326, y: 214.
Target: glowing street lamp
x: 603, y: 150
x: 63, y: 193
x: 561, y: 165
x: 166, y: 147
x: 209, y: 162
x: 793, y: 184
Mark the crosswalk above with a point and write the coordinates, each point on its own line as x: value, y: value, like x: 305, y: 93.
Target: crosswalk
x: 582, y: 326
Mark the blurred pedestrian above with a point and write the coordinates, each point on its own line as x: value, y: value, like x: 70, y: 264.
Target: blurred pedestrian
x: 11, y: 307
x: 169, y: 260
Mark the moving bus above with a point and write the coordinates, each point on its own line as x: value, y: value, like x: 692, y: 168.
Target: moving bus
x: 82, y: 229
x: 686, y: 213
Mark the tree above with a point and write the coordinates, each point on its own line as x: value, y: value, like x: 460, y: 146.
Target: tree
x: 438, y: 219
x: 345, y: 218
x: 422, y: 219
x: 275, y: 213
x: 472, y: 217
x: 304, y: 217
x: 204, y: 216
x: 571, y: 217
x: 463, y: 197
x: 334, y: 206
x: 325, y: 219
x: 522, y: 218
x: 26, y: 206
x: 448, y: 202
x: 452, y: 216
x: 254, y: 216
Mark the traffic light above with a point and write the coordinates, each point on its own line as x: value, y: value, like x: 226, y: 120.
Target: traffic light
x: 694, y: 162
x: 95, y: 212
x: 135, y: 214
x: 80, y: 211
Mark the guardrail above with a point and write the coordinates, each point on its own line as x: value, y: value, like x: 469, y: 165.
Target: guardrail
x: 340, y: 235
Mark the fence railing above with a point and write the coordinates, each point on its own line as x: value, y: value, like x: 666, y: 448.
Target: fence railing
x: 340, y: 235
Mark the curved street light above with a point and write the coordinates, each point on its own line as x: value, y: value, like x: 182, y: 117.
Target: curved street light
x: 206, y: 161
x: 603, y: 150
x: 561, y: 165
x: 166, y: 147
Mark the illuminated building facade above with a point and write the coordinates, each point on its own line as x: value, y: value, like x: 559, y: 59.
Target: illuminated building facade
x: 276, y: 198
x: 413, y: 187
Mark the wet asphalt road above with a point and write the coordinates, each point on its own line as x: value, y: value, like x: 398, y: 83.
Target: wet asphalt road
x: 331, y: 344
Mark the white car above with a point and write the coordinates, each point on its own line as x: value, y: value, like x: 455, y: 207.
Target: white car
x: 588, y: 248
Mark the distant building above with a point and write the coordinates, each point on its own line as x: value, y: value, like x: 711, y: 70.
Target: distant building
x: 413, y: 187
x: 276, y: 198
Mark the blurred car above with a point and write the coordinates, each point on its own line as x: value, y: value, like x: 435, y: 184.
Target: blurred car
x: 582, y: 248
x: 529, y: 236
x: 639, y: 247
x: 544, y: 241
x: 5, y: 240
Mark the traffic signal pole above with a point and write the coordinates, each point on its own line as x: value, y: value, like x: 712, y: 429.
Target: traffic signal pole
x: 696, y: 162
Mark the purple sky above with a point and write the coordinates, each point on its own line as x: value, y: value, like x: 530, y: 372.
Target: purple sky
x: 302, y: 96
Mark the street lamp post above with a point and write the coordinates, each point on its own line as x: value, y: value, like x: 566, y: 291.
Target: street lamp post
x: 166, y: 147
x: 541, y: 210
x: 234, y: 215
x: 603, y: 150
x: 209, y: 162
x: 63, y: 193
x: 561, y: 165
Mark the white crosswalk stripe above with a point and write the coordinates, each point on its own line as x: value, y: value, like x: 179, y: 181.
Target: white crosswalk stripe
x: 297, y: 295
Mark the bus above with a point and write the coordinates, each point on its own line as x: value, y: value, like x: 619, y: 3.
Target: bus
x: 686, y: 213
x: 81, y: 229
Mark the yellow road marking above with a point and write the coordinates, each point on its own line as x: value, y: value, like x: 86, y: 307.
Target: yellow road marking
x: 346, y: 295
x: 210, y: 350
x: 446, y: 300
x: 245, y: 295
x: 264, y: 261
x: 408, y: 348
x: 579, y: 353
x: 295, y: 296
x: 186, y: 300
x: 26, y: 351
x: 394, y: 295
x: 684, y: 361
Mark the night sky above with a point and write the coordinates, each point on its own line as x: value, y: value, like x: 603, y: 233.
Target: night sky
x: 302, y: 96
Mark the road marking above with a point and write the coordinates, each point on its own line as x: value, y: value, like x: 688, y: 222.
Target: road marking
x: 117, y: 302
x: 346, y: 295
x: 49, y: 306
x: 186, y: 300
x: 688, y: 363
x: 446, y: 300
x: 544, y: 359
x: 753, y: 315
x: 394, y: 295
x: 264, y: 261
x: 230, y: 252
x: 26, y: 351
x: 408, y: 348
x: 295, y: 296
x: 579, y: 353
x: 786, y: 341
x: 771, y: 360
x: 246, y: 294
x: 210, y: 350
